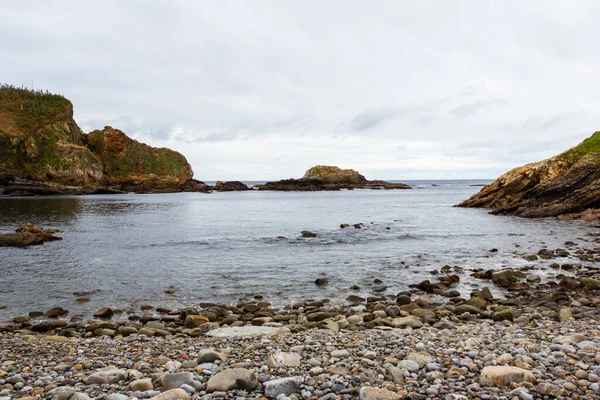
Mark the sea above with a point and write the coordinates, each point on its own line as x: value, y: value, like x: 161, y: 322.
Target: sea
x: 180, y: 249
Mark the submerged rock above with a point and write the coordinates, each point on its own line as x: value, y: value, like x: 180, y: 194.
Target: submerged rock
x: 28, y: 235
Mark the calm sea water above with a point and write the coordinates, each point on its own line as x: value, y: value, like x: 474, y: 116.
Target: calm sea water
x: 225, y: 247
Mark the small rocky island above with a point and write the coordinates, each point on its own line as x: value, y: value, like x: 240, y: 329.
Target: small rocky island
x: 322, y: 177
x: 565, y: 186
x: 43, y: 151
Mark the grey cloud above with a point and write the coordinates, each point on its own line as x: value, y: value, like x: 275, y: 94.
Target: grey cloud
x: 371, y: 119
x: 472, y: 108
x: 260, y: 82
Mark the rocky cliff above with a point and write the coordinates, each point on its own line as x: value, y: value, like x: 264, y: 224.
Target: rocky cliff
x: 131, y: 165
x: 323, y: 177
x: 43, y: 151
x: 40, y: 141
x: 565, y: 185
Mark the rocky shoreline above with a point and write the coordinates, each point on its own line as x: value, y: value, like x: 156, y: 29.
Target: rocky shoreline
x: 538, y: 340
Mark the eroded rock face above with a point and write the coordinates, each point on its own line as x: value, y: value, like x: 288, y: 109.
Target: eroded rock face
x: 566, y: 184
x: 44, y: 152
x: 322, y: 177
x: 40, y: 141
x: 131, y: 165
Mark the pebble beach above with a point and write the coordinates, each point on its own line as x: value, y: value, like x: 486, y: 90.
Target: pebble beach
x: 539, y: 340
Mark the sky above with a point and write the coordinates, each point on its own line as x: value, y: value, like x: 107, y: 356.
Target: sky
x: 263, y: 90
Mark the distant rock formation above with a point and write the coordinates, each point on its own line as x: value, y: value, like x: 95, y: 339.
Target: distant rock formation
x: 129, y: 165
x: 43, y: 151
x: 230, y: 186
x: 322, y: 177
x: 567, y: 185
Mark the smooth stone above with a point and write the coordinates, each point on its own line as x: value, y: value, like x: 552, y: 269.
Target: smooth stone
x: 173, y: 394
x: 106, y: 375
x: 117, y: 396
x: 504, y: 376
x: 235, y: 378
x: 246, y: 331
x: 278, y: 359
x: 340, y: 353
x: 372, y: 393
x: 548, y: 389
x: 277, y: 387
x: 210, y: 355
x: 174, y: 380
x: 409, y: 365
x: 141, y: 385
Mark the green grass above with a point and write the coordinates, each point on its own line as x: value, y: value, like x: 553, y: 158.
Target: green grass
x: 33, y: 109
x: 590, y: 145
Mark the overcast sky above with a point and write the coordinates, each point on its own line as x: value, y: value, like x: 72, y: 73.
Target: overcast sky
x: 265, y: 89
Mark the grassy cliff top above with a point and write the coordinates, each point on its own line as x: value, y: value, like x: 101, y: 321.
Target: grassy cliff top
x: 589, y: 147
x: 24, y: 111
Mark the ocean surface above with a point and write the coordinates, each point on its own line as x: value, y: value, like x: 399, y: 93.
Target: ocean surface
x: 227, y: 247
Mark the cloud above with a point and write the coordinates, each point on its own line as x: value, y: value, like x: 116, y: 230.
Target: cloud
x: 472, y: 108
x: 263, y: 90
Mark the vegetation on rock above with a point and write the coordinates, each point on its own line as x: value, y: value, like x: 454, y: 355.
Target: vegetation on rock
x: 332, y: 174
x: 568, y: 183
x: 40, y: 142
x: 129, y: 162
x: 324, y: 177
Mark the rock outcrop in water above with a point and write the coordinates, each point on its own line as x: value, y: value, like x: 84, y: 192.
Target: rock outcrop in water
x: 230, y: 186
x: 323, y: 177
x: 565, y: 185
x: 43, y: 151
x: 28, y: 235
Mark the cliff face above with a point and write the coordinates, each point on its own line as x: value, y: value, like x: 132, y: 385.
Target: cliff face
x: 323, y: 177
x: 129, y: 164
x: 43, y: 151
x: 568, y: 183
x: 40, y: 141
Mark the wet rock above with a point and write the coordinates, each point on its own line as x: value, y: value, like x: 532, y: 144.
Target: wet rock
x: 194, y: 321
x: 28, y: 235
x: 308, y: 234
x: 56, y: 312
x: 104, y: 312
x: 321, y: 281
